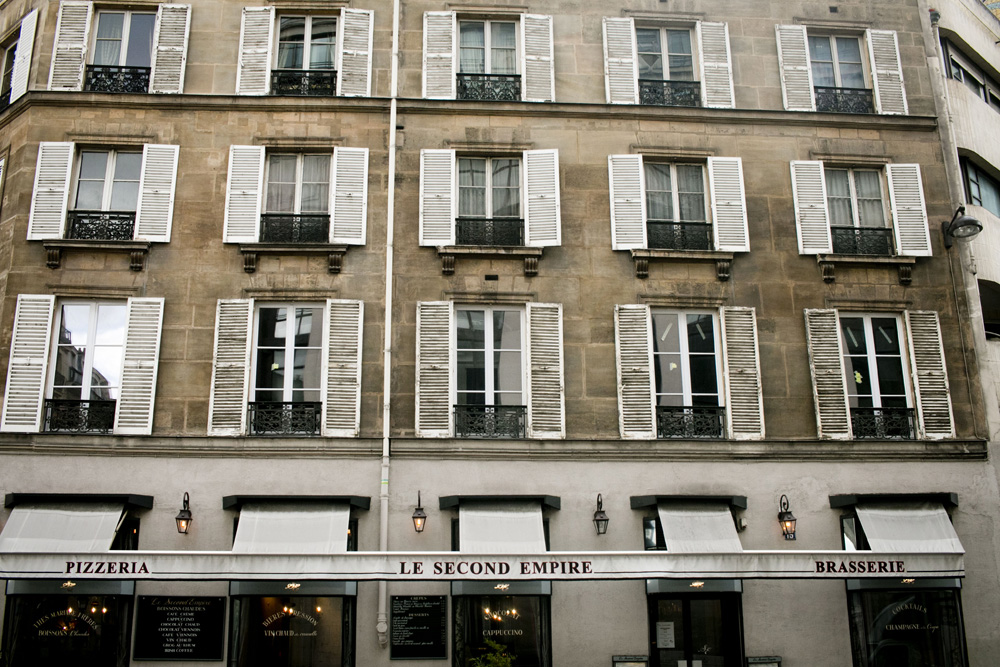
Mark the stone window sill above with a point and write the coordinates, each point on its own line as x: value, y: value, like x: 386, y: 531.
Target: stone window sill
x: 904, y: 265
x: 642, y: 257
x: 528, y: 254
x: 136, y: 250
x: 335, y: 253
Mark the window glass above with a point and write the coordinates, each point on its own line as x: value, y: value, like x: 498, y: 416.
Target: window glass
x: 680, y: 60
x: 322, y: 49
x: 90, y: 186
x: 291, y: 631
x: 288, y: 333
x: 981, y: 188
x: 140, y: 40
x: 838, y: 197
x: 684, y: 364
x: 472, y: 47
x: 650, y: 53
x: 702, y: 629
x: 821, y: 57
x: 873, y: 362
x: 868, y: 186
x: 506, y: 188
x: 88, y: 354
x: 315, y: 184
x: 503, y: 51
x: 125, y: 186
x: 850, y: 69
x: 291, y: 42
x: 472, y: 187
x: 659, y: 198
x: 691, y: 192
x: 110, y: 32
x: 8, y: 69
x: 519, y: 624
x: 836, y: 61
x: 500, y: 382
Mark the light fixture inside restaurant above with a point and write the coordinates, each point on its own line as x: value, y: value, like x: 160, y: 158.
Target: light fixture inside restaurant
x: 600, y: 518
x: 183, y: 517
x: 69, y: 585
x: 786, y: 518
x: 697, y: 584
x: 419, y: 516
x: 961, y: 227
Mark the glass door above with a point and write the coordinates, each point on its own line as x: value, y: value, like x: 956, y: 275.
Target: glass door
x: 696, y: 630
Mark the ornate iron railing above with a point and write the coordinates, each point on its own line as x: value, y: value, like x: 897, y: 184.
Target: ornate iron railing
x: 117, y: 79
x: 679, y: 235
x: 294, y: 228
x: 883, y: 423
x: 490, y: 421
x: 304, y: 82
x: 862, y: 240
x: 101, y: 225
x: 489, y: 231
x: 844, y: 100
x: 670, y: 93
x: 65, y: 416
x: 489, y: 87
x: 689, y: 421
x: 276, y: 418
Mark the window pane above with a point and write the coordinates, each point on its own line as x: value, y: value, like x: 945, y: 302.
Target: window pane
x: 886, y: 335
x: 503, y: 54
x: 506, y: 188
x: 852, y: 76
x: 472, y: 188
x: 125, y: 188
x: 507, y: 371
x: 308, y: 369
x: 868, y: 186
x: 107, y: 49
x: 668, y: 374
x: 271, y: 327
x: 471, y: 333
x: 819, y: 49
x: 472, y: 51
x: 140, y: 40
x: 848, y: 50
x: 106, y: 374
x: 507, y: 330
x: 270, y: 369
x: 650, y: 53
x: 659, y: 201
x: 322, y: 51
x: 471, y: 370
x: 291, y: 42
x: 858, y: 378
x: 281, y: 183
x: 308, y: 327
x: 823, y: 74
x: 665, y: 336
x: 854, y: 334
x: 679, y: 48
x: 315, y: 184
x: 890, y: 377
x: 110, y: 324
x: 74, y: 324
x: 703, y: 376
x: 691, y: 193
x: 838, y: 194
x: 701, y: 336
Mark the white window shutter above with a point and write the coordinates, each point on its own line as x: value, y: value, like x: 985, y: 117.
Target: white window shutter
x: 354, y: 53
x: 716, y: 65
x: 440, y: 54
x: 634, y: 352
x: 349, y: 196
x: 50, y: 196
x: 909, y: 215
x: 887, y: 72
x: 812, y: 220
x: 253, y: 76
x: 930, y: 377
x: 833, y: 417
x: 227, y: 402
x: 745, y: 410
x: 342, y: 376
x: 796, y: 72
x: 70, y: 50
x: 628, y: 202
x: 621, y: 67
x: 542, y: 218
x: 435, y: 363
x: 170, y: 45
x: 28, y: 368
x: 244, y: 189
x: 546, y: 393
x: 537, y: 72
x: 157, y: 184
x: 140, y: 357
x: 729, y: 204
x: 23, y: 55
x: 437, y: 197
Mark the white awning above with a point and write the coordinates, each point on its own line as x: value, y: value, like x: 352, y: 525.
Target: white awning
x: 909, y: 527
x: 698, y: 528
x: 292, y: 528
x: 85, y: 528
x: 501, y: 528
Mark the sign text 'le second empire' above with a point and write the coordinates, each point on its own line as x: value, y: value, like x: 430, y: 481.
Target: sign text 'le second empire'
x: 497, y: 568
x: 860, y: 567
x: 102, y: 567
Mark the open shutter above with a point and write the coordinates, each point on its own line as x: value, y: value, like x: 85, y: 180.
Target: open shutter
x: 354, y: 54
x: 437, y: 197
x: 49, y: 198
x: 796, y: 73
x: 349, y: 196
x: 628, y: 202
x: 170, y: 44
x: 23, y: 55
x: 243, y: 194
x: 833, y: 419
x: 27, y: 370
x: 227, y: 402
x: 909, y: 215
x: 440, y: 34
x: 434, y: 368
x: 70, y: 51
x: 621, y: 73
x: 541, y: 198
x: 930, y: 379
x: 745, y: 413
x: 342, y: 377
x: 143, y: 323
x: 634, y: 349
x: 716, y: 65
x: 546, y: 399
x: 536, y: 59
x: 887, y: 72
x: 812, y: 222
x: 729, y: 205
x: 253, y: 77
x: 157, y: 185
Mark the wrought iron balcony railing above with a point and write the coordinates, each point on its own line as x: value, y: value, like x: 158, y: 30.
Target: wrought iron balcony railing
x: 679, y: 235
x: 844, y: 100
x: 101, y: 225
x: 490, y: 421
x: 65, y: 416
x: 295, y: 228
x: 883, y: 423
x: 670, y: 93
x: 117, y: 79
x: 277, y: 418
x: 489, y: 231
x: 862, y: 241
x: 689, y: 421
x: 489, y: 87
x: 304, y: 82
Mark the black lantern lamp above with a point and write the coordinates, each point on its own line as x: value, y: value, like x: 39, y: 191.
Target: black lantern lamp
x: 600, y: 518
x: 184, y: 517
x: 419, y: 516
x: 962, y: 227
x: 786, y: 518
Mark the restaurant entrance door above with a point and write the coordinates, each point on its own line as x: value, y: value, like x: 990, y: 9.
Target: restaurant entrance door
x: 695, y: 630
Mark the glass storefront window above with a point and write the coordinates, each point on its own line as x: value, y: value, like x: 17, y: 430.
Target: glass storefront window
x: 690, y: 630
x: 519, y: 623
x: 291, y: 631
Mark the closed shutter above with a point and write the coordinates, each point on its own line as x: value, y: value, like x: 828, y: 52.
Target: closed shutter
x: 536, y: 59
x: 440, y: 34
x: 887, y: 72
x: 23, y: 55
x: 827, y: 365
x: 729, y: 206
x: 909, y: 215
x: 628, y: 202
x: 354, y: 56
x: 170, y: 44
x: 49, y: 198
x: 227, y: 402
x: 621, y: 73
x: 434, y: 369
x: 70, y: 51
x: 796, y: 74
x: 143, y: 324
x: 546, y: 400
x: 29, y: 358
x: 345, y: 322
x: 243, y: 194
x: 541, y: 197
x: 745, y: 413
x: 634, y: 351
x: 930, y: 379
x: 253, y: 77
x: 157, y: 185
x: 716, y: 65
x: 349, y: 205
x: 812, y: 222
x: 437, y: 197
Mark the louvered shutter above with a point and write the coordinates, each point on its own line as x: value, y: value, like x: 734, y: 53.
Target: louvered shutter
x: 833, y: 419
x: 49, y: 198
x: 157, y: 185
x: 745, y: 413
x: 243, y: 194
x: 143, y: 324
x: 909, y: 215
x: 23, y: 55
x: 796, y: 73
x: 621, y: 69
x: 440, y: 34
x: 729, y: 206
x: 634, y: 349
x: 253, y: 77
x: 716, y: 65
x: 930, y: 379
x: 541, y: 198
x: 227, y: 402
x: 887, y: 72
x: 349, y: 196
x: 435, y: 360
x: 437, y: 197
x: 170, y: 44
x: 812, y: 222
x: 546, y: 399
x: 27, y: 370
x: 70, y: 50
x: 342, y: 409
x: 354, y: 53
x: 536, y: 59
x: 628, y: 202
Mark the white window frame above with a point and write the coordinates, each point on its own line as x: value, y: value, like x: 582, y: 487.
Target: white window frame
x: 680, y: 319
x: 489, y: 159
x: 109, y: 182
x: 125, y: 36
x: 307, y: 41
x: 299, y: 170
x: 663, y: 30
x: 855, y: 212
x: 490, y: 350
x: 835, y: 54
x: 9, y: 55
x: 290, y: 347
x: 487, y: 43
x: 872, y: 357
x: 675, y: 191
x: 89, y: 347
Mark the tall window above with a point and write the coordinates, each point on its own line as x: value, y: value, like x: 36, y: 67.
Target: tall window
x: 7, y: 54
x: 981, y: 189
x: 489, y: 202
x: 124, y: 38
x: 298, y: 184
x: 676, y: 206
x: 487, y: 47
x: 107, y: 195
x: 836, y: 61
x: 666, y: 67
x: 686, y: 368
x: 288, y: 354
x: 857, y: 212
x: 307, y: 42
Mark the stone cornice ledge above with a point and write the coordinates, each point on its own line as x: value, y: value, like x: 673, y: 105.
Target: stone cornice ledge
x: 185, y: 446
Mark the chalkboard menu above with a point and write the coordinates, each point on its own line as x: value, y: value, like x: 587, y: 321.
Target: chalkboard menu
x: 419, y: 627
x: 179, y: 628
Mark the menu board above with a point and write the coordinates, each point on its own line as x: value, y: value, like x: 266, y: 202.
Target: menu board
x: 179, y: 628
x: 419, y: 627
